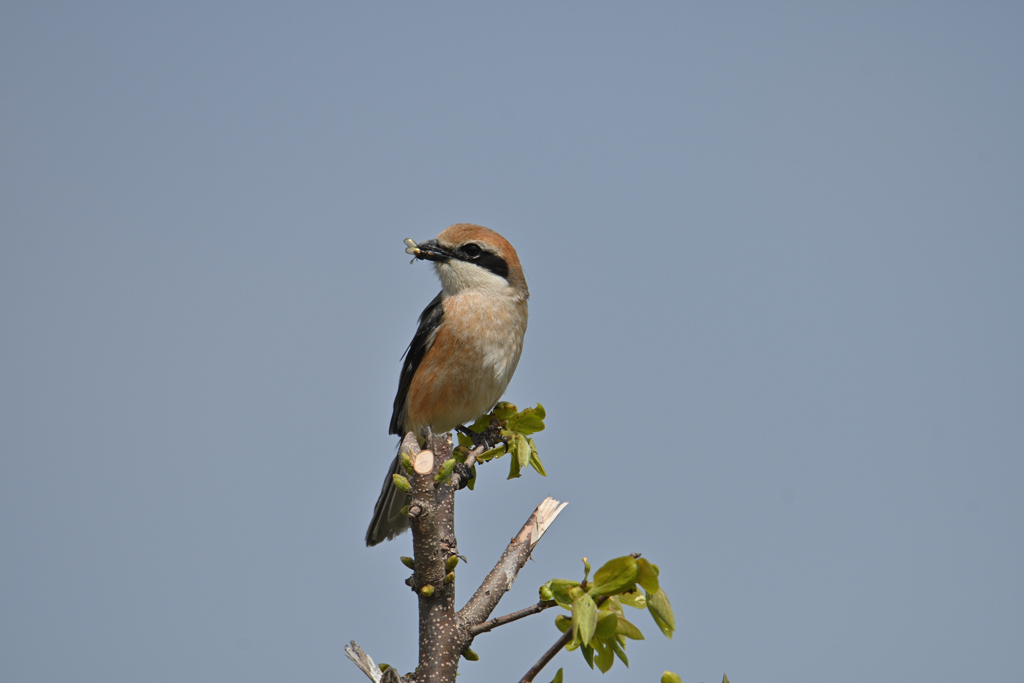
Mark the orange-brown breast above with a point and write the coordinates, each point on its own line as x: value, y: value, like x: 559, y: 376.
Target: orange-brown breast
x: 470, y: 363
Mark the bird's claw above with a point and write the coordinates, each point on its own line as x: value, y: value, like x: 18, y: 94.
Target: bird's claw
x: 465, y: 473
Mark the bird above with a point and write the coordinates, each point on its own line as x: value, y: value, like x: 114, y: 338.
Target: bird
x: 465, y: 350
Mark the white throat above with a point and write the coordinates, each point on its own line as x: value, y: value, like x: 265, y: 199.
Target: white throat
x: 458, y: 277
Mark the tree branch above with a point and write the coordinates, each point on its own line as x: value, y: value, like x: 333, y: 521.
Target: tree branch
x: 547, y: 657
x: 562, y: 641
x: 509, y: 618
x: 433, y: 540
x: 501, y: 577
x: 364, y: 662
x: 444, y: 635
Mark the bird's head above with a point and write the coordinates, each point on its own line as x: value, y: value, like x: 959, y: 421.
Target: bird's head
x: 472, y: 257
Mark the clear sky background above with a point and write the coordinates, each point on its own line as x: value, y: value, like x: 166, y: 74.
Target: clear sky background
x: 776, y: 256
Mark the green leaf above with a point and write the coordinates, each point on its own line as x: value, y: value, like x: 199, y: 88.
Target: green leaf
x: 495, y: 452
x: 606, y: 624
x: 558, y: 677
x: 616, y: 576
x: 481, y: 424
x: 513, y: 465
x: 627, y: 629
x: 669, y: 677
x: 584, y: 619
x: 471, y: 484
x: 523, y: 450
x: 619, y: 651
x: 535, y: 459
x: 634, y: 599
x: 647, y: 575
x: 526, y: 422
x: 605, y: 656
x: 540, y: 412
x: 560, y: 591
x: 504, y: 410
x: 725, y: 679
x: 563, y: 623
x: 588, y: 654
x: 465, y: 440
x: 661, y: 610
x: 586, y: 568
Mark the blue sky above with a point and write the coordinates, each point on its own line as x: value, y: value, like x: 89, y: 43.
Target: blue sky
x: 777, y: 321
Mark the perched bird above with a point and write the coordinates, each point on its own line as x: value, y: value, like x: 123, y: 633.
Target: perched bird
x: 464, y: 351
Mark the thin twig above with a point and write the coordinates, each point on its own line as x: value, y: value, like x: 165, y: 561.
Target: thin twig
x: 470, y: 461
x: 471, y: 458
x: 553, y: 650
x: 509, y: 618
x: 482, y: 442
x: 547, y: 657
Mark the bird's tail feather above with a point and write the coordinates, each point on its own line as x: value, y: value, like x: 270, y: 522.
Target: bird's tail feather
x: 388, y: 520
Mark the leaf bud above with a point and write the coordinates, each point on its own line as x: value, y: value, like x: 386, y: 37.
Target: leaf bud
x: 445, y: 469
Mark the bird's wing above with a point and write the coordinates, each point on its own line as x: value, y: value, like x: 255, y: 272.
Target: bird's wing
x: 430, y: 320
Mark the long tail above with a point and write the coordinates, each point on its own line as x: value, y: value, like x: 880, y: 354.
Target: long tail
x: 388, y: 520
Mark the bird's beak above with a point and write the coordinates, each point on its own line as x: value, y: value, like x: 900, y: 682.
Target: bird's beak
x: 429, y: 250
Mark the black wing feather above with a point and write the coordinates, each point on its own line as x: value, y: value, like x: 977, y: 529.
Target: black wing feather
x: 430, y: 320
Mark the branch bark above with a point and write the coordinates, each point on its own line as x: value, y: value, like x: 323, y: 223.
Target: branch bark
x: 433, y: 539
x: 504, y: 573
x: 547, y: 657
x: 444, y: 634
x: 509, y: 618
x: 368, y: 667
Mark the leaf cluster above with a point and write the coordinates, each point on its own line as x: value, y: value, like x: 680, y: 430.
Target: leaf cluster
x: 597, y: 618
x: 514, y: 427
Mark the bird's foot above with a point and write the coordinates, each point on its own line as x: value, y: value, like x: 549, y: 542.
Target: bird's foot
x: 464, y: 472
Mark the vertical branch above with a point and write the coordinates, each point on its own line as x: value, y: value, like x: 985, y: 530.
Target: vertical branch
x: 444, y: 634
x: 432, y: 510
